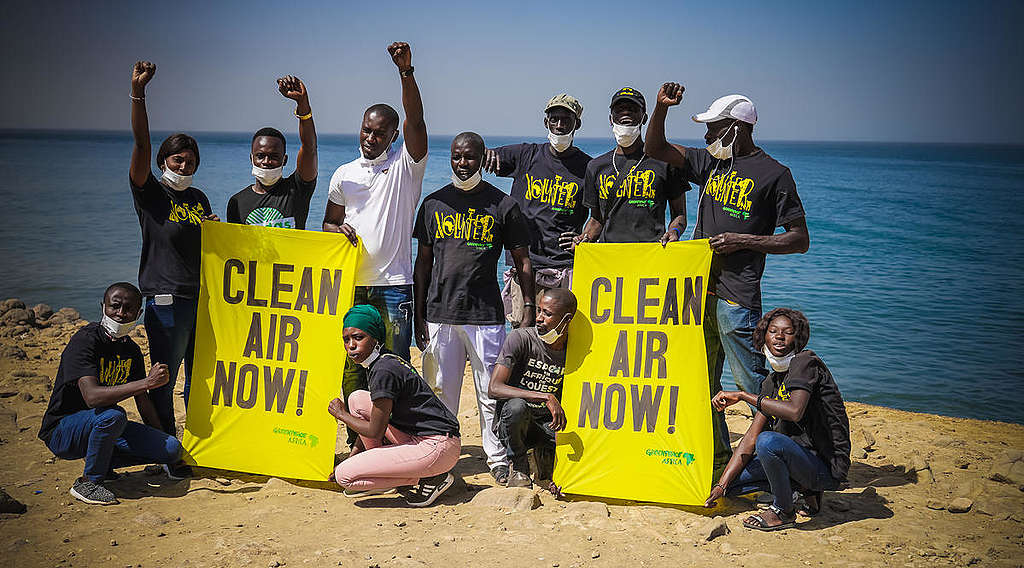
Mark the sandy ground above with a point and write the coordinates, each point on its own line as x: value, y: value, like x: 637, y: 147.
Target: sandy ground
x: 896, y: 511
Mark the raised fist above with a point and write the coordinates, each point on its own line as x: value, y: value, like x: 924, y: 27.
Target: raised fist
x: 291, y: 87
x: 670, y: 94
x: 401, y: 54
x: 142, y: 72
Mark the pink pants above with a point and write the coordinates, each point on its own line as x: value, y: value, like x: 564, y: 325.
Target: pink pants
x: 404, y: 462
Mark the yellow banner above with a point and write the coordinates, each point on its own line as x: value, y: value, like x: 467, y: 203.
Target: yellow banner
x: 636, y: 393
x: 269, y: 353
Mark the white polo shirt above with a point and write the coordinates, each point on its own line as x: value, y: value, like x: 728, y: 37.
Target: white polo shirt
x: 380, y: 204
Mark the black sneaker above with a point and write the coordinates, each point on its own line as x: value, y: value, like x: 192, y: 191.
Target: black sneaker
x: 92, y: 493
x: 429, y: 489
x: 500, y: 474
x: 178, y: 471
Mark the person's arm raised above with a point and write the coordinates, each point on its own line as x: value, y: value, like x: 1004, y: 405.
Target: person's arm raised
x: 655, y: 143
x: 139, y: 170
x: 415, y: 129
x: 293, y: 88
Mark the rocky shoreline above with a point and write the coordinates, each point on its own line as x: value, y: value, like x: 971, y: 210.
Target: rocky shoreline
x: 924, y: 491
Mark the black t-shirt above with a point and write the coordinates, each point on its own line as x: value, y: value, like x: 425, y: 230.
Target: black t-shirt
x: 824, y: 427
x: 90, y: 353
x: 284, y: 205
x: 632, y: 201
x: 467, y: 230
x: 547, y: 189
x: 753, y: 196
x: 170, y: 237
x: 415, y: 409
x: 534, y: 365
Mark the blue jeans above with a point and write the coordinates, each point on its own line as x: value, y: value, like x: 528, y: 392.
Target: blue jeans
x: 171, y: 330
x: 107, y: 440
x: 778, y: 460
x: 728, y: 335
x: 395, y: 305
x: 521, y: 427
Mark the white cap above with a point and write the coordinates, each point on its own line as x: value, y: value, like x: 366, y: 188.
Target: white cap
x: 729, y: 106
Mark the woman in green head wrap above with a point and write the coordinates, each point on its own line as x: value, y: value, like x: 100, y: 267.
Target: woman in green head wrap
x: 401, y: 407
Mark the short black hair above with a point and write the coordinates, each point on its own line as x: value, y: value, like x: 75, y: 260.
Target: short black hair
x: 271, y: 132
x: 801, y: 327
x: 564, y: 298
x: 386, y: 111
x: 471, y: 137
x: 175, y: 143
x: 127, y: 287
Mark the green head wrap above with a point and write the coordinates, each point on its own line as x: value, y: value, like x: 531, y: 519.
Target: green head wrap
x: 366, y: 318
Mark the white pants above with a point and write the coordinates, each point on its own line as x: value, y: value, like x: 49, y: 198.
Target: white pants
x: 481, y: 345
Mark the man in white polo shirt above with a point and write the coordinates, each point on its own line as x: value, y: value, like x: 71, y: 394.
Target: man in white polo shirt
x: 374, y: 197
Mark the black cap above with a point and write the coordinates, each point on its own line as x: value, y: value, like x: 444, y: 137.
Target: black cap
x: 630, y: 94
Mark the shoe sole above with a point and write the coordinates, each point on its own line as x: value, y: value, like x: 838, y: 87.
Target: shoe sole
x: 369, y: 493
x: 85, y: 499
x: 448, y: 482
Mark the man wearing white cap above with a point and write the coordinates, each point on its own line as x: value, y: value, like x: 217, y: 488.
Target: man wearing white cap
x: 547, y: 179
x: 745, y: 196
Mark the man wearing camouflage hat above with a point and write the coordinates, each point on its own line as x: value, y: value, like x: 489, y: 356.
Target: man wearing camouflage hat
x: 547, y: 184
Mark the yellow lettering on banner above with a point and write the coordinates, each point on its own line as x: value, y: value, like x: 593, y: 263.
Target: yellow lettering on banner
x: 268, y: 348
x: 636, y: 391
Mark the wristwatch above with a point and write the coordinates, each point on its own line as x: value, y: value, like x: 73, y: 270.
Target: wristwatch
x: 407, y: 72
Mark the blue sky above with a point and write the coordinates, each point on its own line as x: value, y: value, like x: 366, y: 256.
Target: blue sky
x: 899, y: 71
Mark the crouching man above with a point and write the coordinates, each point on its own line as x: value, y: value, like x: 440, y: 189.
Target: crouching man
x: 527, y: 384
x: 100, y: 367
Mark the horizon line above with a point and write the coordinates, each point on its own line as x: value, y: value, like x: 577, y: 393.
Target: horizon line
x: 5, y: 130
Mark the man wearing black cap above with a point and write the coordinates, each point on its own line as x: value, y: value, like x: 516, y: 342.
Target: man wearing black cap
x: 547, y: 179
x: 745, y: 196
x: 625, y: 189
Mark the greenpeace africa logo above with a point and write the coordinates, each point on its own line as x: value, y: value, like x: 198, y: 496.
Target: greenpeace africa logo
x: 733, y: 192
x: 262, y: 215
x: 298, y: 438
x: 191, y: 214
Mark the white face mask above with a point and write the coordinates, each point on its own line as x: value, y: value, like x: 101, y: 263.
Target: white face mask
x: 560, y: 142
x: 371, y: 162
x: 721, y: 152
x: 625, y: 135
x: 467, y: 184
x: 780, y: 364
x: 371, y: 357
x: 550, y: 336
x: 267, y: 177
x: 117, y: 330
x: 175, y: 181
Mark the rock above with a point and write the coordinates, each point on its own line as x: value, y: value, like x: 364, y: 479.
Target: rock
x: 9, y: 504
x: 596, y: 555
x: 13, y: 352
x: 715, y: 528
x: 65, y: 315
x: 971, y: 488
x: 869, y: 439
x: 10, y: 304
x: 959, y: 505
x: 507, y: 498
x: 42, y: 311
x: 1008, y: 468
x: 935, y: 505
x: 18, y: 316
x: 962, y: 462
x: 917, y: 463
x: 27, y: 397
x: 925, y: 476
x: 859, y: 454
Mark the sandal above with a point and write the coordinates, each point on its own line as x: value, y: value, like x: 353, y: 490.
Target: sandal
x: 811, y: 503
x: 760, y: 523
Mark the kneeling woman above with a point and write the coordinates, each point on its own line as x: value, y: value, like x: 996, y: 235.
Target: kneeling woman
x: 801, y: 433
x: 423, y: 433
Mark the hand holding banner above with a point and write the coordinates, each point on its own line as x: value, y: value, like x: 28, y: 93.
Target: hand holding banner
x: 269, y: 354
x: 636, y: 392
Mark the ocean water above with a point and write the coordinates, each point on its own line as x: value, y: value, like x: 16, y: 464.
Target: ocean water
x: 913, y: 282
